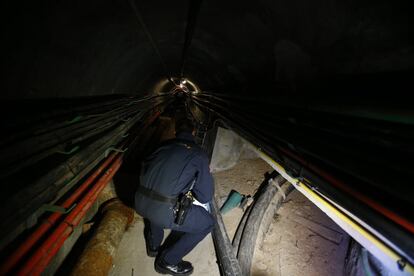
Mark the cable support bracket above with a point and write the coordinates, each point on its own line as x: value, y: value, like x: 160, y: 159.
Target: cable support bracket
x: 74, y: 120
x: 57, y: 209
x: 69, y: 152
x: 272, y: 182
x: 115, y: 150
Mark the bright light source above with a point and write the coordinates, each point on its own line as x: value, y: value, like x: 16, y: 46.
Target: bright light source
x: 183, y: 81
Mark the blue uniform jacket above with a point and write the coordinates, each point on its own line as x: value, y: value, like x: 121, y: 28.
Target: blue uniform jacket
x: 170, y: 171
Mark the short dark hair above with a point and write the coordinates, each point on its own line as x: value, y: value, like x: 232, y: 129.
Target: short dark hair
x: 183, y: 123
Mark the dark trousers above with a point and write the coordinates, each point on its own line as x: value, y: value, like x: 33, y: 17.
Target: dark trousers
x: 185, y: 237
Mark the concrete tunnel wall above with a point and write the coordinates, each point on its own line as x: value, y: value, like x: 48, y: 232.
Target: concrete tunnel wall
x: 229, y: 148
x: 78, y: 48
x: 319, y: 53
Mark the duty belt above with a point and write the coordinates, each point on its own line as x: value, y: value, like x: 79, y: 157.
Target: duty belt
x: 155, y: 195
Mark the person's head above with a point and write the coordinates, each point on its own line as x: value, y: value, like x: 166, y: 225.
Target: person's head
x: 183, y: 124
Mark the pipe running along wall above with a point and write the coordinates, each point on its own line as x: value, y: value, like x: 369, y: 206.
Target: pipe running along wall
x: 50, y: 221
x: 35, y: 251
x: 96, y: 258
x: 39, y: 260
x: 391, y: 259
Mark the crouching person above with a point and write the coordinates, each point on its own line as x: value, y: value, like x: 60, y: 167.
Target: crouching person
x: 175, y: 189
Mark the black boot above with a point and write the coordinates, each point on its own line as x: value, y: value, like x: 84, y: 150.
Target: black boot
x: 183, y: 268
x: 151, y: 250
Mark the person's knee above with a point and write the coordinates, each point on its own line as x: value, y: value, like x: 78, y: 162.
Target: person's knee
x: 209, y: 224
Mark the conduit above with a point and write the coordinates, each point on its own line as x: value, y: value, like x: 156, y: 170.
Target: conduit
x: 239, y: 232
x: 272, y: 192
x: 39, y: 260
x: 52, y: 179
x: 32, y: 197
x: 388, y: 257
x: 408, y: 225
x: 228, y: 263
x: 50, y: 221
x: 392, y: 234
x: 98, y: 254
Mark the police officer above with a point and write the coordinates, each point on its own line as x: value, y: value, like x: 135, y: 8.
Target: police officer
x: 176, y: 167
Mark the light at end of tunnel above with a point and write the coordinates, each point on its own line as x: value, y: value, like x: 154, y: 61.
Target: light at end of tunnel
x: 192, y: 87
x: 184, y: 84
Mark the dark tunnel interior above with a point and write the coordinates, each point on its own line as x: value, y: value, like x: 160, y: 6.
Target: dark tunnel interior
x: 275, y: 48
x: 324, y: 87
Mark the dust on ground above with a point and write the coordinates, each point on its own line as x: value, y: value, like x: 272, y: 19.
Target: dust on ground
x: 245, y: 178
x: 131, y: 258
x: 301, y: 239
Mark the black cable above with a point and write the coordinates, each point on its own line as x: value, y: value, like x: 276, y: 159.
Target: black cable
x: 394, y: 236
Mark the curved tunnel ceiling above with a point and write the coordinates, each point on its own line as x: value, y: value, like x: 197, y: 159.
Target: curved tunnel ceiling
x: 84, y: 48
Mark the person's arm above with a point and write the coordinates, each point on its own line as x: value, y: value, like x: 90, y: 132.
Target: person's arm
x: 203, y: 189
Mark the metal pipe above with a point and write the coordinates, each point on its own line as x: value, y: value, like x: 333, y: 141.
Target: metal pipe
x: 372, y: 243
x: 392, y: 232
x: 39, y: 260
x: 32, y: 197
x: 46, y: 122
x: 39, y: 144
x: 50, y: 221
x: 47, y: 224
x: 52, y: 141
x: 408, y: 225
x: 97, y: 257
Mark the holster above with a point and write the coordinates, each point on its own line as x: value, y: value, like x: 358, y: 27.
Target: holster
x: 182, y: 207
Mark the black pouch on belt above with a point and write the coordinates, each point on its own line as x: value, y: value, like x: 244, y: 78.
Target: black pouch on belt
x: 182, y: 207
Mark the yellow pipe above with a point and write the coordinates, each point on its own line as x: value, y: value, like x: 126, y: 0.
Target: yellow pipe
x: 380, y: 245
x: 311, y: 195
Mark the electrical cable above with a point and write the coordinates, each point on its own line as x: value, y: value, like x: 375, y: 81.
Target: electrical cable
x: 260, y: 139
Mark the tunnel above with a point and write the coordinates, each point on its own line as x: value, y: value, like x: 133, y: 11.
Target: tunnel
x: 319, y: 92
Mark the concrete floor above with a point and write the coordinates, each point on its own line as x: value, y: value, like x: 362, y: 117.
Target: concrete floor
x: 131, y: 258
x: 301, y: 238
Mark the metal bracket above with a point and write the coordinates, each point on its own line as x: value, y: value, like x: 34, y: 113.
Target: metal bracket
x: 272, y: 181
x: 57, y: 209
x: 114, y: 149
x: 74, y: 120
x: 68, y: 152
x: 68, y: 180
